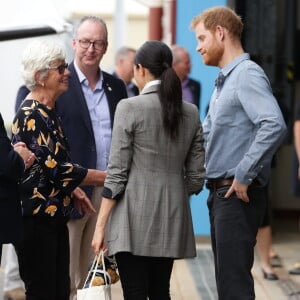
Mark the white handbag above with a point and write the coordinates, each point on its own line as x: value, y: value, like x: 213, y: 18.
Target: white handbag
x: 89, y: 292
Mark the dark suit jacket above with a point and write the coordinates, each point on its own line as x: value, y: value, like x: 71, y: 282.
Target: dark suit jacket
x: 21, y: 95
x: 195, y: 87
x: 76, y: 122
x: 134, y: 89
x: 11, y: 170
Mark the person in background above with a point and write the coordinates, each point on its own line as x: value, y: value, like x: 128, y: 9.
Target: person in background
x: 295, y: 270
x: 191, y: 88
x: 242, y: 130
x: 156, y: 162
x: 49, y: 188
x: 268, y: 257
x: 11, y: 211
x: 124, y: 69
x: 13, y: 285
x: 14, y: 160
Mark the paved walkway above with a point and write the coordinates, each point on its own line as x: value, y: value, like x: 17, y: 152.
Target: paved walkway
x: 194, y: 279
x: 188, y: 284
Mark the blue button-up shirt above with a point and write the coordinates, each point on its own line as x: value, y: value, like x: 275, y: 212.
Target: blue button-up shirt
x: 100, y: 117
x: 244, y: 125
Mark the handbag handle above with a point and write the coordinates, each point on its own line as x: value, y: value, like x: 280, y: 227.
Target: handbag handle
x: 94, y: 269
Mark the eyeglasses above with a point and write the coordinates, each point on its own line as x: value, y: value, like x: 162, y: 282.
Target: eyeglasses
x: 60, y: 68
x: 98, y: 45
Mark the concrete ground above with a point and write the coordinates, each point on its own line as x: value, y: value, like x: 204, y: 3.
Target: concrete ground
x: 193, y: 279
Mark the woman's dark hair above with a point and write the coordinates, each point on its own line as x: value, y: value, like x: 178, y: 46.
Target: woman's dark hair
x: 157, y: 58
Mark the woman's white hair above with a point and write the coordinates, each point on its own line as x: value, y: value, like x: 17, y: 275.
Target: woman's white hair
x: 38, y: 56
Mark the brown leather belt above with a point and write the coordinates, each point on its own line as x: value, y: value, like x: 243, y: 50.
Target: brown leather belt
x: 214, y: 184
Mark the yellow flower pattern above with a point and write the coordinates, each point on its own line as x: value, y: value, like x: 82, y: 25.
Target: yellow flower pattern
x: 51, y: 210
x: 57, y: 146
x: 45, y: 139
x: 47, y: 185
x: 54, y: 192
x: 15, y: 127
x: 31, y: 125
x: 35, y: 211
x: 50, y: 162
x: 70, y: 169
x: 43, y: 112
x: 67, y: 201
x: 37, y: 194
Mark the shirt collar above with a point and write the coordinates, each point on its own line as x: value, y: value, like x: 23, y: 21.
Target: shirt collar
x: 150, y: 83
x: 229, y: 67
x: 185, y: 82
x: 83, y: 79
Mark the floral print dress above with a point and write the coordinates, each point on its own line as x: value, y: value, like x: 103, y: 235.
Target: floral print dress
x: 47, y: 185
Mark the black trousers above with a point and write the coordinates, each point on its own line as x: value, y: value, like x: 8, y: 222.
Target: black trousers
x: 234, y: 225
x: 144, y: 277
x: 44, y: 257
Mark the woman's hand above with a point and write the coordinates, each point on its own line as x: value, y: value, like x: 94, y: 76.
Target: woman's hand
x: 106, y: 207
x: 25, y: 153
x: 82, y: 202
x: 98, y: 240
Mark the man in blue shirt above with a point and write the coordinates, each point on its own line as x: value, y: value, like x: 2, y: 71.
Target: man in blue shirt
x: 242, y: 130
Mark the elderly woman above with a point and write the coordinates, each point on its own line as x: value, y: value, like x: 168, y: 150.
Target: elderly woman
x: 50, y: 186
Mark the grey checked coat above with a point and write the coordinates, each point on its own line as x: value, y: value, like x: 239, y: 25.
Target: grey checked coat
x: 153, y: 176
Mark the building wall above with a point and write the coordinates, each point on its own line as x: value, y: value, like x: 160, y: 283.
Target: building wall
x: 186, y: 10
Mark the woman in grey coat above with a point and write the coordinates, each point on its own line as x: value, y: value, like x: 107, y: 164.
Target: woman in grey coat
x: 156, y: 163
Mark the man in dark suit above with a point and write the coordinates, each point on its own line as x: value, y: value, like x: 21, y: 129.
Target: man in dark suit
x: 87, y: 114
x: 191, y: 89
x: 124, y: 62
